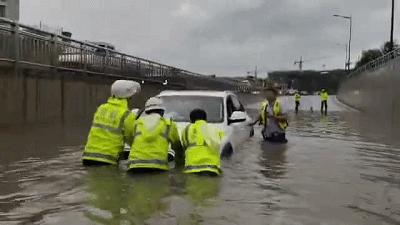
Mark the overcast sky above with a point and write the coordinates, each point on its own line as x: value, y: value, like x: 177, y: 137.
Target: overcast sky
x: 223, y: 37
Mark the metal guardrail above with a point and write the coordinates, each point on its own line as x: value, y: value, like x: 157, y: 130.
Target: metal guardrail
x: 25, y: 44
x: 20, y: 43
x: 377, y: 63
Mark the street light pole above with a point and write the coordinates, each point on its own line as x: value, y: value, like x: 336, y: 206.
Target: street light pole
x: 392, y: 28
x: 346, y: 60
x: 351, y: 25
x: 350, y: 18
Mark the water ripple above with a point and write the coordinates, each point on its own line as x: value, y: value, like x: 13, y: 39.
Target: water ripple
x: 330, y: 172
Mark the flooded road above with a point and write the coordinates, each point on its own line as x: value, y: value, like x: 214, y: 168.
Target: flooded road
x: 338, y: 169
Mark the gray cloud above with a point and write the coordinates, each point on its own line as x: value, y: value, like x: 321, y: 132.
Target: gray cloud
x: 226, y: 37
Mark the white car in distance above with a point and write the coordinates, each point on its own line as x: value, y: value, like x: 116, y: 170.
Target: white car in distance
x: 223, y: 109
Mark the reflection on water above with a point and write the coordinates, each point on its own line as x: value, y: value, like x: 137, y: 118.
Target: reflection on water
x: 115, y: 197
x: 199, y: 189
x: 106, y: 195
x: 273, y: 160
x: 334, y: 170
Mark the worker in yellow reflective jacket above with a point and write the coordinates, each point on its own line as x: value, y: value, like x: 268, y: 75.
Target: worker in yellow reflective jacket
x: 202, y: 144
x: 153, y: 135
x: 324, y: 101
x: 112, y: 126
x: 273, y: 117
x: 297, y: 99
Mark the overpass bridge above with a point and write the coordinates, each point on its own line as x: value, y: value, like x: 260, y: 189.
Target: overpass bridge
x: 45, y: 76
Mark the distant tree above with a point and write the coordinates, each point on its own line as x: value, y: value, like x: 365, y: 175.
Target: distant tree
x: 386, y: 48
x: 368, y: 56
x: 372, y: 54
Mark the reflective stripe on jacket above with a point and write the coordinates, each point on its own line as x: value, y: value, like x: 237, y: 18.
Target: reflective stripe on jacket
x: 277, y: 109
x: 150, y: 145
x: 111, y: 126
x: 202, y: 152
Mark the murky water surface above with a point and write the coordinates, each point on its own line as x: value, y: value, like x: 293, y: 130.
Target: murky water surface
x: 339, y: 169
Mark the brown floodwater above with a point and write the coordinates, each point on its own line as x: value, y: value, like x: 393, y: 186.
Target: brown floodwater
x: 343, y: 168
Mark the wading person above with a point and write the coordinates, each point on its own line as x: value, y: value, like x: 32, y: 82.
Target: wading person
x: 273, y: 118
x: 324, y: 101
x: 202, y: 143
x: 152, y: 136
x: 297, y: 98
x: 112, y: 126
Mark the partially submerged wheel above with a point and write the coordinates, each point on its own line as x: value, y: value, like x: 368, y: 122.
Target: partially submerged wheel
x: 227, y: 151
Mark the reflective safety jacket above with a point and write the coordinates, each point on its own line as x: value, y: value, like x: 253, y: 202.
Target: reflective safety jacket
x: 277, y: 112
x: 324, y: 96
x: 112, y: 126
x: 202, y: 148
x: 297, y: 97
x: 151, y: 143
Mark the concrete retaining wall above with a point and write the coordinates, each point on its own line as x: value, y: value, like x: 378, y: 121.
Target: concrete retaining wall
x: 34, y: 95
x: 376, y: 93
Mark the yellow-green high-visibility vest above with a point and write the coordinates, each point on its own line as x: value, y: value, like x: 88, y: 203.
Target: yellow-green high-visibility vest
x: 277, y: 112
x: 297, y: 97
x: 324, y: 96
x: 199, y: 156
x: 150, y: 147
x: 112, y: 123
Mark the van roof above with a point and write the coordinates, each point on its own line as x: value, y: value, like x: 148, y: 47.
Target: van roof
x: 195, y: 93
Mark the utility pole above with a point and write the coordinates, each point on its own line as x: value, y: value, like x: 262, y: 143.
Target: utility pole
x: 350, y: 18
x: 351, y: 25
x: 300, y: 63
x: 392, y: 29
x: 255, y: 73
x: 347, y: 57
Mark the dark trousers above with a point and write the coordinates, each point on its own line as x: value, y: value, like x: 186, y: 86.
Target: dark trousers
x: 206, y: 174
x: 275, y: 138
x: 93, y: 163
x: 145, y: 170
x: 297, y: 106
x: 324, y: 105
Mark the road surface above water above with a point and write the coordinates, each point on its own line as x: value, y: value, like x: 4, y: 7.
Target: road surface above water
x: 338, y: 169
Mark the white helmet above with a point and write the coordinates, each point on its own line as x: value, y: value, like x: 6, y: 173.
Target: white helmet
x: 154, y: 104
x: 124, y: 88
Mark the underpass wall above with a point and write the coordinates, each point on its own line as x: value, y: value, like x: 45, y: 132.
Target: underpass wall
x: 35, y: 95
x: 201, y: 83
x: 375, y: 92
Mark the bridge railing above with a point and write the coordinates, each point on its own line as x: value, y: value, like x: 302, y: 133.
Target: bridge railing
x: 25, y: 44
x: 20, y: 43
x: 377, y: 63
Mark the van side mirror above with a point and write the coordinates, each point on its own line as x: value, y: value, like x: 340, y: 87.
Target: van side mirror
x: 237, y: 117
